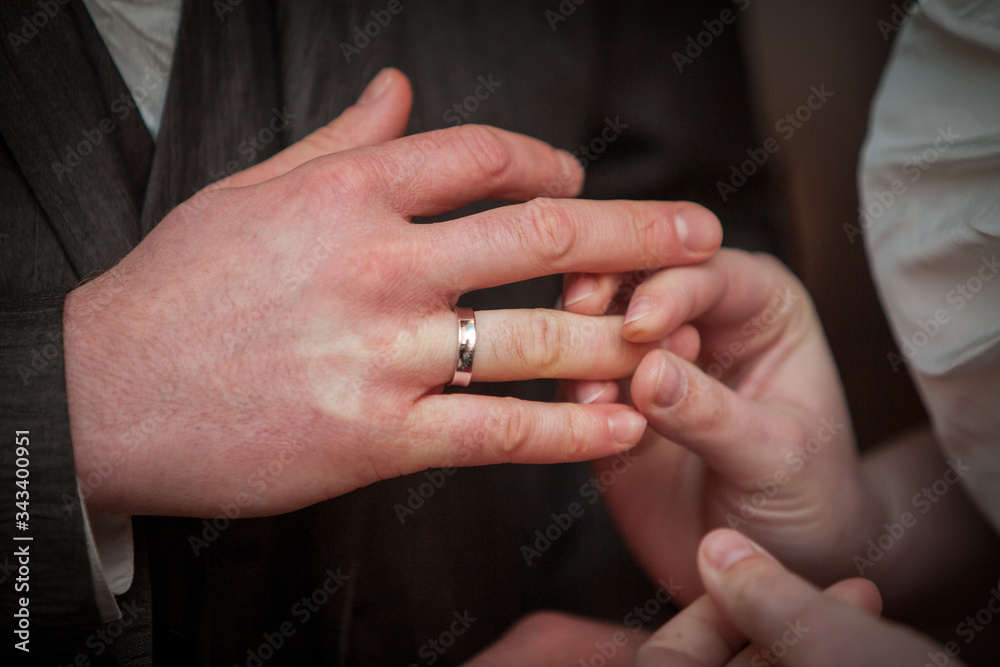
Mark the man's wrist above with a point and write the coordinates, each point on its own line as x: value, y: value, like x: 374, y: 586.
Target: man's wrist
x: 91, y: 390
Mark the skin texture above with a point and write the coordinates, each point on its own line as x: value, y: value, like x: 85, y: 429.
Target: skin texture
x: 290, y: 326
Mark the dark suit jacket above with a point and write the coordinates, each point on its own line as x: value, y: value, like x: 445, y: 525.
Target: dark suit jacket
x: 347, y: 581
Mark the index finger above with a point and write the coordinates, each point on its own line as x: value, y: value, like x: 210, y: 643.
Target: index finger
x: 435, y: 172
x: 548, y: 236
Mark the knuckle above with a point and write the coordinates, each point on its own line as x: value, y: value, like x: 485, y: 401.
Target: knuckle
x: 490, y: 154
x: 381, y: 268
x: 546, y: 340
x: 513, y: 431
x: 651, y: 234
x: 335, y: 178
x: 575, y: 429
x: 549, y: 231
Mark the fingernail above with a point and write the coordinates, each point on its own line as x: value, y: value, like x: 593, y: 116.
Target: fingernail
x: 376, y: 87
x: 725, y: 548
x: 626, y: 427
x: 638, y: 309
x: 569, y: 169
x: 671, y: 385
x: 584, y: 286
x: 696, y: 229
x: 589, y: 391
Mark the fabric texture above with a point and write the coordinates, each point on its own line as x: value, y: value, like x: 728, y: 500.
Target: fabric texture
x: 930, y: 184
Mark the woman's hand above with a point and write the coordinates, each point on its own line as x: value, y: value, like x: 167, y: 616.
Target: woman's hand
x: 755, y: 436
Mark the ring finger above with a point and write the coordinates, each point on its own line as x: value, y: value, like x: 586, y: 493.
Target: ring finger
x: 539, y: 343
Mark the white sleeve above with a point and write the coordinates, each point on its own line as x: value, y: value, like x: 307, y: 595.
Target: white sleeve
x: 930, y: 216
x: 112, y: 558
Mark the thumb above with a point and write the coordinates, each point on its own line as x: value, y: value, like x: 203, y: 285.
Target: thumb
x: 379, y: 115
x: 692, y: 408
x: 793, y: 620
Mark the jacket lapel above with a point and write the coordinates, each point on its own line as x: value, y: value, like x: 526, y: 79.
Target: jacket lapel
x: 66, y: 135
x: 222, y: 105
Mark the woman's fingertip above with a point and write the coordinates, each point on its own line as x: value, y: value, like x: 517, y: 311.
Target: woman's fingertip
x: 626, y: 427
x: 725, y: 548
x: 377, y: 87
x: 581, y: 287
x: 588, y: 391
x: 671, y: 384
x: 639, y: 309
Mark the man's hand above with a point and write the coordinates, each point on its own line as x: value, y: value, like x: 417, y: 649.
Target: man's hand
x: 756, y: 436
x: 283, y: 336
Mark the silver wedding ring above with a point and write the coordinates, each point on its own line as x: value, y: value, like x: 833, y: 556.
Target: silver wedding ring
x: 466, y: 347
